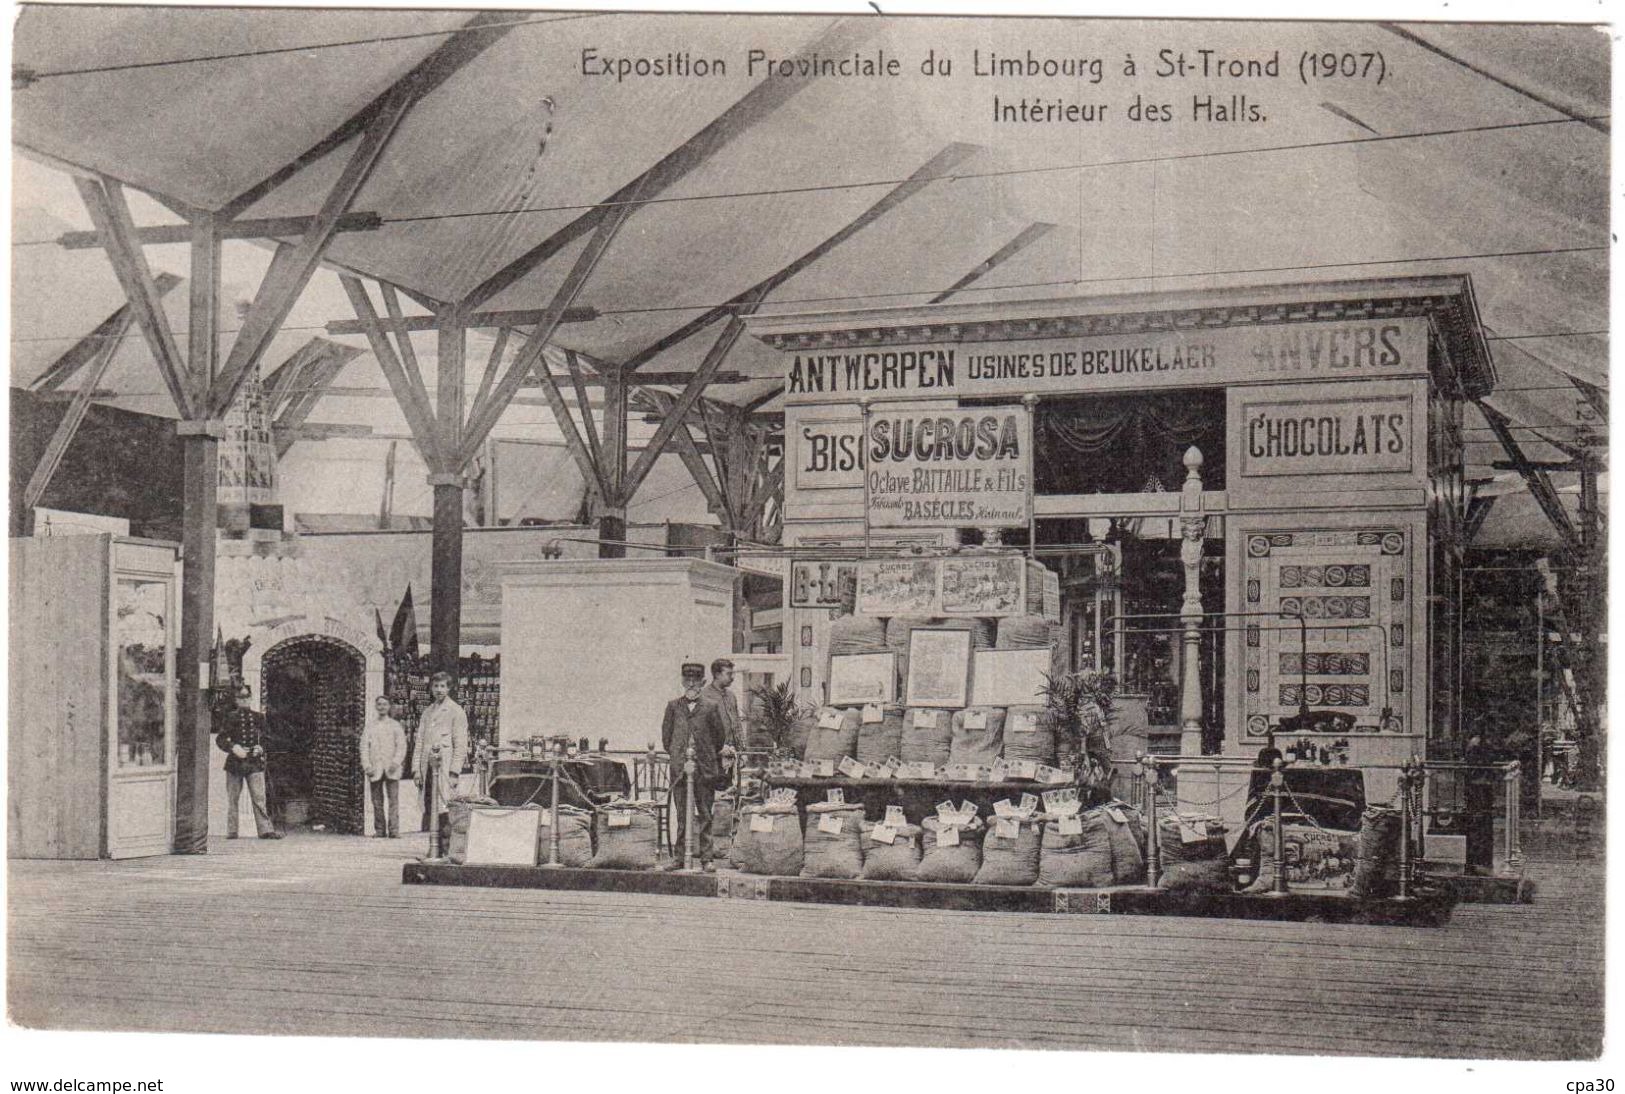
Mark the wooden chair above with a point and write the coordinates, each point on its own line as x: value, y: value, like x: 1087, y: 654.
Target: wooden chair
x: 651, y: 781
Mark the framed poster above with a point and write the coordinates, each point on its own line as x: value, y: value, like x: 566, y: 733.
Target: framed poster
x: 1010, y: 678
x: 984, y: 586
x: 822, y: 584
x: 897, y: 586
x: 938, y: 668
x: 862, y: 678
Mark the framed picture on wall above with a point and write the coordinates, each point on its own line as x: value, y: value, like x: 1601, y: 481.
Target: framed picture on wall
x: 862, y: 678
x: 938, y: 668
x: 1010, y: 678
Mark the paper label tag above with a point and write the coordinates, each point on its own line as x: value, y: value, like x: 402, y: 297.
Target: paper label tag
x: 829, y: 719
x: 873, y: 714
x: 824, y: 769
x: 1116, y: 814
x: 1000, y: 769
x: 946, y: 811
x: 1071, y: 826
x: 850, y: 768
x: 620, y: 820
x: 880, y: 833
x: 1007, y: 827
x: 1044, y: 773
x: 829, y: 824
x: 761, y: 822
x: 545, y: 819
x: 784, y: 795
x: 948, y: 837
x: 925, y: 719
x: 967, y: 810
x: 835, y: 796
x: 889, y: 769
x: 1188, y: 832
x: 1024, y: 769
x: 1004, y: 807
x: 894, y: 816
x: 976, y: 719
x: 1025, y: 722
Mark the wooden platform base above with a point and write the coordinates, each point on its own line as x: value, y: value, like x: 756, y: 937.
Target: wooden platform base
x: 1499, y: 889
x: 1431, y: 909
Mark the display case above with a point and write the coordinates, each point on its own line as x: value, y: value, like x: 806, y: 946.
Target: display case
x: 92, y: 709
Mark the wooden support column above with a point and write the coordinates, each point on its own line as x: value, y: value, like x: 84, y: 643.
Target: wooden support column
x: 609, y: 512
x: 1193, y: 528
x: 446, y: 565
x: 200, y: 480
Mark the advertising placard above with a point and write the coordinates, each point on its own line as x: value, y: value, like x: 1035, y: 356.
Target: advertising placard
x: 949, y: 468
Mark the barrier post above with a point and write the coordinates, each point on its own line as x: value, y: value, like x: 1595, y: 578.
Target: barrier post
x: 690, y: 808
x: 1278, y: 886
x: 1153, y: 840
x: 1514, y: 816
x: 553, y: 807
x: 434, y: 806
x: 1407, y: 775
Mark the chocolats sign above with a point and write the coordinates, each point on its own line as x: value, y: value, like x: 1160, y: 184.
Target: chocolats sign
x: 1326, y: 436
x: 1182, y: 358
x: 948, y: 468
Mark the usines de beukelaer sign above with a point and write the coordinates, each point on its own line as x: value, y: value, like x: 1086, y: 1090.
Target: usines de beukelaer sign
x: 1187, y: 358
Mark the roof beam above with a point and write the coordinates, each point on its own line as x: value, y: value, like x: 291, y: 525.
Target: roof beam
x: 683, y: 404
x: 475, y: 37
x: 1594, y: 395
x: 111, y: 215
x: 485, y: 416
x: 414, y: 405
x: 590, y: 462
x: 748, y: 301
x: 403, y: 340
x: 68, y: 427
x: 584, y: 403
x: 281, y: 383
x: 493, y: 365
x: 1478, y: 511
x: 509, y: 317
x: 265, y: 228
x: 1024, y: 239
x: 322, y: 373
x: 1539, y: 483
x: 762, y: 100
x: 753, y: 405
x: 116, y: 326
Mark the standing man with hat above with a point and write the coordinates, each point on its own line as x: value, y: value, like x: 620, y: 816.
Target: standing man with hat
x: 242, y: 739
x: 691, y: 717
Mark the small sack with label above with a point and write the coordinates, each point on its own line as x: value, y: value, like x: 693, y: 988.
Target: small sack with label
x: 769, y: 840
x: 1193, y: 854
x: 950, y: 852
x: 1128, y: 842
x: 722, y: 826
x: 834, y: 734
x: 1376, y: 865
x: 1077, y: 852
x: 883, y: 740
x: 1024, y: 632
x: 891, y: 854
x: 831, y: 845
x: 801, y: 731
x: 627, y: 835
x: 1029, y: 734
x: 978, y: 736
x: 575, y: 837
x: 1010, y: 852
x: 458, y: 811
x: 927, y: 735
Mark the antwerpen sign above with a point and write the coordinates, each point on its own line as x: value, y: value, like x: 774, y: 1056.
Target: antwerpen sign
x: 949, y: 468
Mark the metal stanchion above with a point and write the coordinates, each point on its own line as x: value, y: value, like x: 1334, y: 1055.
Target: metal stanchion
x: 1278, y: 886
x: 690, y: 807
x: 1407, y: 777
x: 553, y: 807
x: 434, y: 806
x: 1514, y: 816
x: 1153, y: 838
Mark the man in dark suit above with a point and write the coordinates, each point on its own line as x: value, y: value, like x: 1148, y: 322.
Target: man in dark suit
x: 693, y: 718
x: 242, y: 739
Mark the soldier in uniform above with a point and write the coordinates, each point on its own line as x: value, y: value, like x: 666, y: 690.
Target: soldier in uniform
x: 242, y: 740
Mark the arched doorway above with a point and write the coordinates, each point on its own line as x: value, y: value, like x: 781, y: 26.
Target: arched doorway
x: 314, y: 691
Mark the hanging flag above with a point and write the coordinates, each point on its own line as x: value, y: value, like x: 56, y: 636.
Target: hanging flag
x: 383, y: 635
x: 403, y: 633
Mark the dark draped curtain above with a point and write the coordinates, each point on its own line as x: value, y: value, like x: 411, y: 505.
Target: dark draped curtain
x: 1127, y: 444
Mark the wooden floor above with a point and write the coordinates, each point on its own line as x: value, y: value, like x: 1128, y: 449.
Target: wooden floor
x: 316, y: 935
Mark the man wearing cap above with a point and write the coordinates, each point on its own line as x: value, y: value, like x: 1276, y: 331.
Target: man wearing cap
x: 242, y: 739
x: 692, y: 718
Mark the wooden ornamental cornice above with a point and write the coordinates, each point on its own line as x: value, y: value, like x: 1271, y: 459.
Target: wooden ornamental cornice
x: 1447, y: 302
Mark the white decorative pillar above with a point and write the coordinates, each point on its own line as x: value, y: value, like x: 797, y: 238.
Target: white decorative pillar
x: 1193, y: 527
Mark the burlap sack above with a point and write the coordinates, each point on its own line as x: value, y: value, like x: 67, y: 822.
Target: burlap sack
x: 849, y: 634
x: 1077, y: 859
x: 722, y: 826
x: 575, y: 837
x: 1024, y: 632
x: 1127, y: 843
x: 1010, y: 860
x: 977, y: 746
x: 958, y: 863
x: 1193, y: 865
x: 801, y: 731
x: 926, y: 744
x: 833, y: 744
x: 835, y: 854
x: 1376, y: 866
x: 459, y: 809
x: 1202, y: 876
x: 1036, y: 743
x: 883, y: 740
x: 898, y: 860
x: 629, y: 846
x: 774, y: 853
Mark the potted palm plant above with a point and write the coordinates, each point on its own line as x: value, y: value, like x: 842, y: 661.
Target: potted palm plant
x: 777, y: 711
x: 1081, y: 705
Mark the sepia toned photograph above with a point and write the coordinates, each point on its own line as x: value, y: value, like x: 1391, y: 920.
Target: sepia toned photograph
x: 855, y: 529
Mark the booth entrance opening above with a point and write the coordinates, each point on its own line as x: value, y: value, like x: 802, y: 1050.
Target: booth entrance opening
x: 315, y: 708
